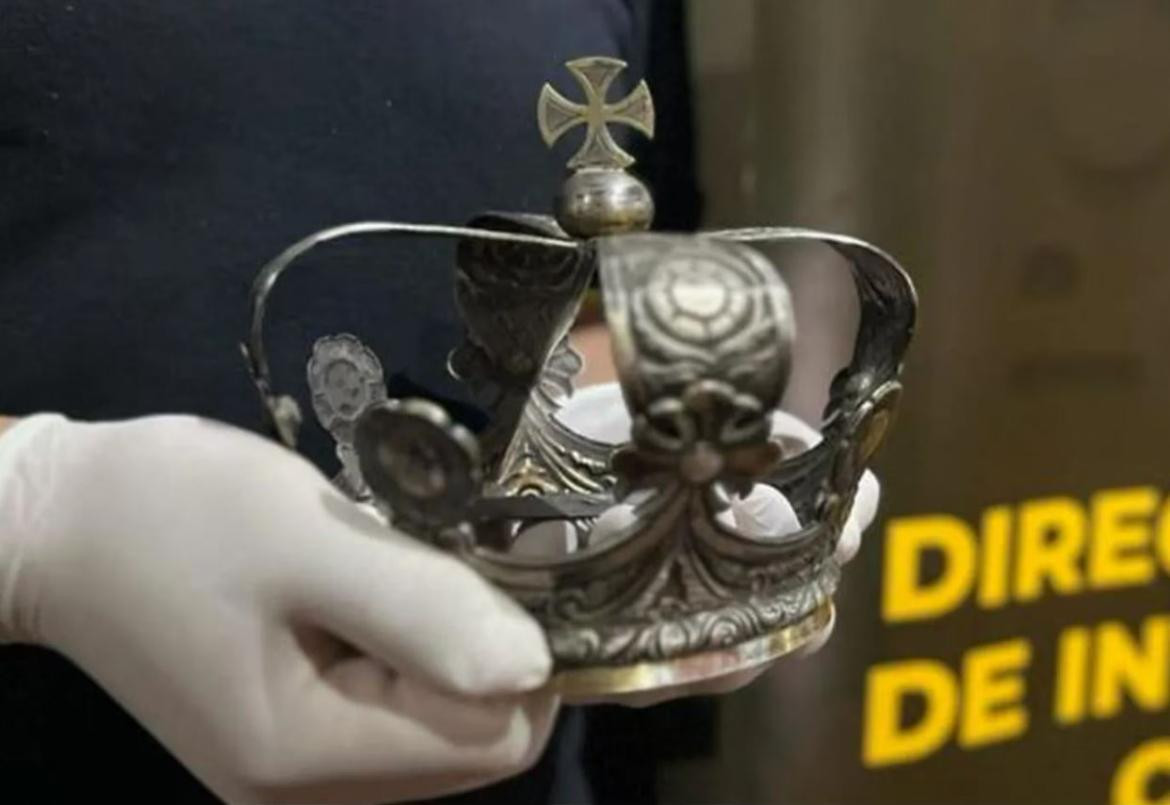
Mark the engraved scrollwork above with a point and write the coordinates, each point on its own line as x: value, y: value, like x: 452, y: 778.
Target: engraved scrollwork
x: 521, y: 302
x: 544, y: 456
x: 517, y: 304
x: 702, y: 337
x: 687, y: 309
x: 702, y: 630
x: 702, y: 329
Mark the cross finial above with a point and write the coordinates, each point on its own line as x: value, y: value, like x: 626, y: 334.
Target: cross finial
x: 556, y: 114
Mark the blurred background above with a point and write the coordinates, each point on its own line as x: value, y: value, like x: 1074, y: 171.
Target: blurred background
x: 1015, y: 157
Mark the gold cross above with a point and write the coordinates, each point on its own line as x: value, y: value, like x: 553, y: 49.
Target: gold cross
x: 556, y: 114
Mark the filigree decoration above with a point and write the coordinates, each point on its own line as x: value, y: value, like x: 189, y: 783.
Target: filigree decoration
x: 544, y: 457
x: 345, y: 378
x: 701, y: 630
x: 556, y: 381
x: 702, y: 329
x: 517, y: 305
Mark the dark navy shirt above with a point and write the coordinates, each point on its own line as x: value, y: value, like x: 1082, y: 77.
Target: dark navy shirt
x: 155, y: 153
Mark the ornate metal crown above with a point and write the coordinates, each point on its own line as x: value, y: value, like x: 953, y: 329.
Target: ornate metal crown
x: 702, y: 333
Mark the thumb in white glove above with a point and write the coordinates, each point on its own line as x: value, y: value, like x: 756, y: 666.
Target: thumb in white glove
x: 280, y: 641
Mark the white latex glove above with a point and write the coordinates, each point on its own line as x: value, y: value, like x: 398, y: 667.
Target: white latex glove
x: 600, y: 413
x: 280, y: 641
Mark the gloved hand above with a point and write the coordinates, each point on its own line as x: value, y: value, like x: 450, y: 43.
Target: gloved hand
x: 280, y: 641
x: 600, y: 413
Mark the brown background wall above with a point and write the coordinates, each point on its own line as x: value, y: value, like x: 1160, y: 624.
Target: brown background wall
x: 1015, y: 156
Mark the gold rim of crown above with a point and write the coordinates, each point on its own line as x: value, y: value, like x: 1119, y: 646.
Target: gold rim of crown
x: 583, y: 684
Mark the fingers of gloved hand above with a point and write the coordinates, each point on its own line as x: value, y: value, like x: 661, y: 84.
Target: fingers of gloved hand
x: 547, y: 539
x: 358, y: 732
x: 865, y: 503
x: 848, y: 543
x: 612, y: 521
x: 421, y: 613
x: 818, y: 641
x: 764, y: 512
x: 860, y: 516
x: 394, y: 720
x: 791, y: 427
x: 598, y: 412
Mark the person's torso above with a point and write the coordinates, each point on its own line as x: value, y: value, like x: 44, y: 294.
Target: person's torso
x: 154, y: 154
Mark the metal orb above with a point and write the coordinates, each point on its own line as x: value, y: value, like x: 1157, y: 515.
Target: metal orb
x: 603, y: 202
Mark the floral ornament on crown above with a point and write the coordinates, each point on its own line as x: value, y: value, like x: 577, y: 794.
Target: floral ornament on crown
x: 709, y: 434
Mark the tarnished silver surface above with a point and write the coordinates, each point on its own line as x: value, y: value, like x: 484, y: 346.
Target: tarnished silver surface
x: 345, y: 378
x: 702, y: 331
x: 702, y: 337
x: 603, y: 202
x: 598, y: 197
x: 556, y: 114
x: 282, y: 414
x: 517, y: 304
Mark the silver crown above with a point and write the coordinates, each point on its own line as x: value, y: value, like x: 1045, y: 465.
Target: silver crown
x: 702, y: 333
